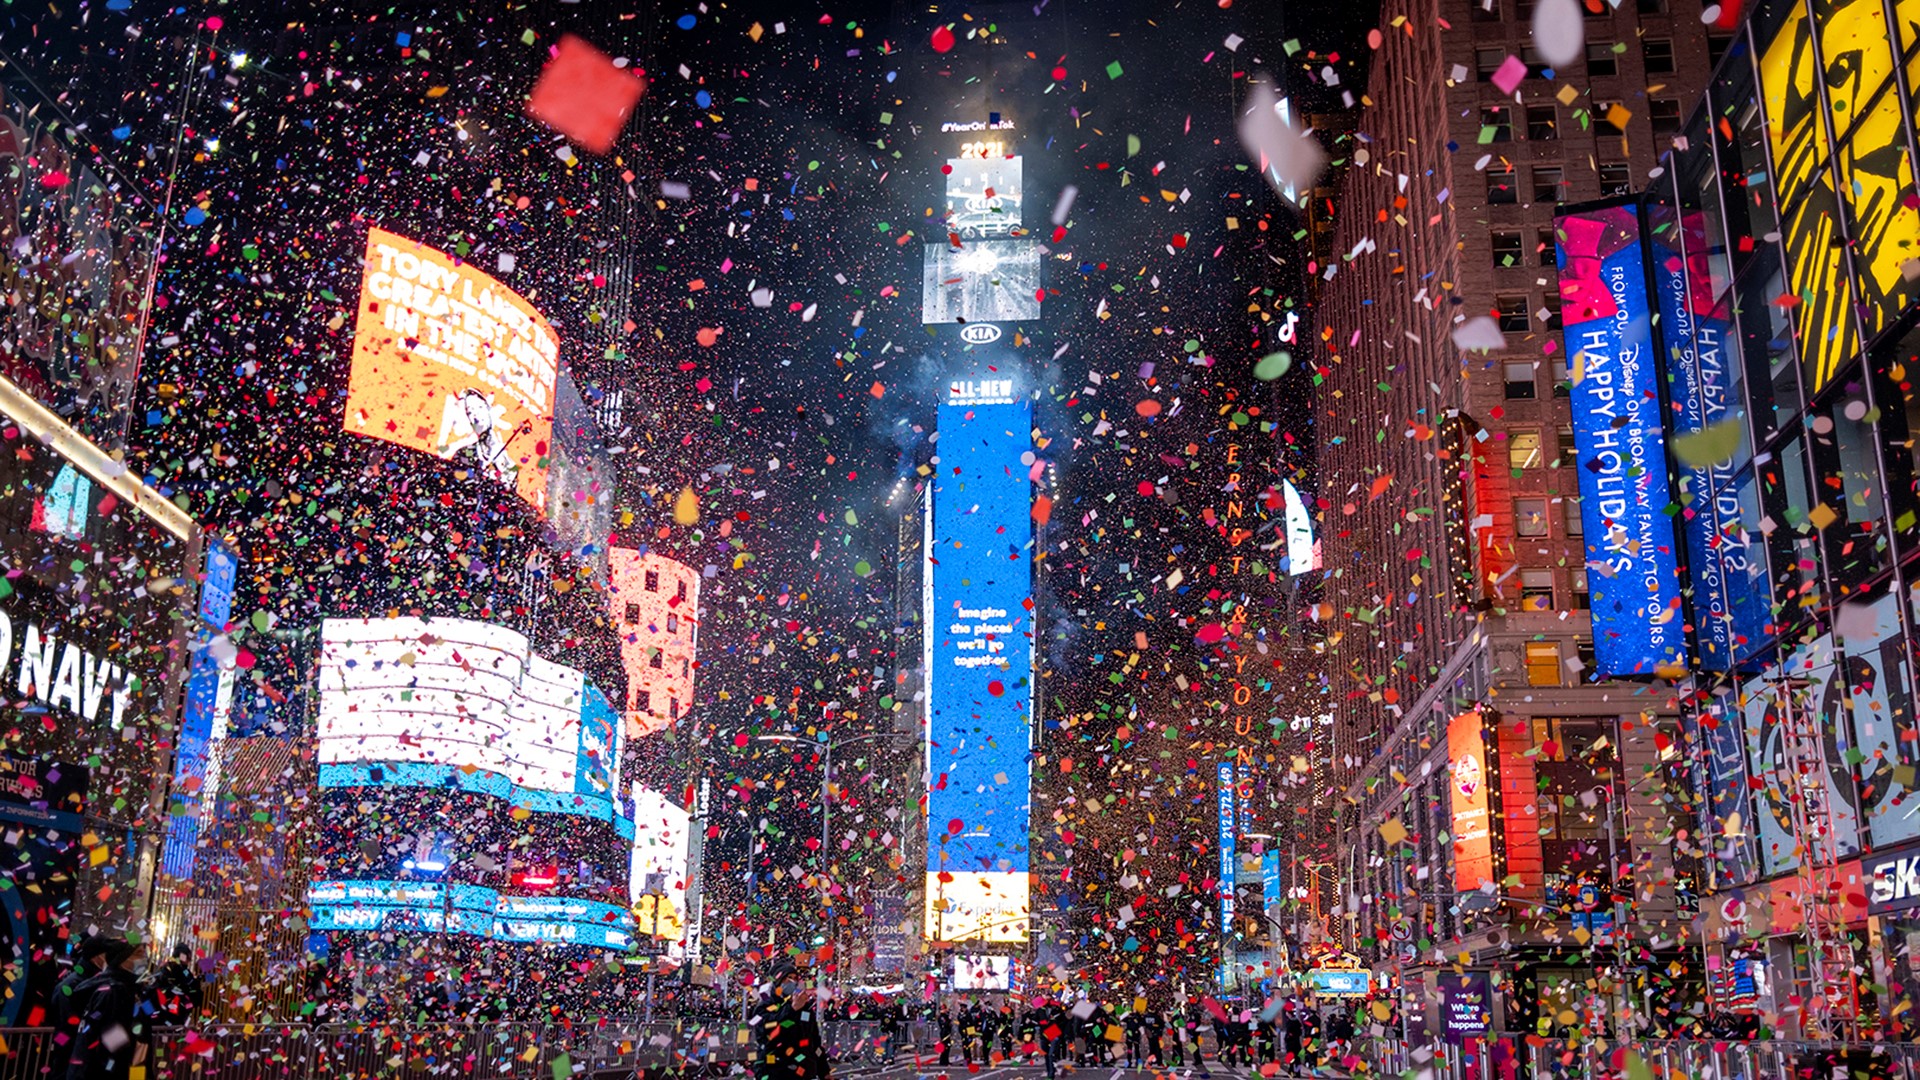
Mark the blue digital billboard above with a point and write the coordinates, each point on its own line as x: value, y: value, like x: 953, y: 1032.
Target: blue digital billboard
x: 980, y: 675
x: 434, y: 907
x: 1730, y: 610
x: 203, y: 720
x: 1625, y: 491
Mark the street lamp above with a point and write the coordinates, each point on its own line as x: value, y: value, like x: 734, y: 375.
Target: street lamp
x: 826, y: 746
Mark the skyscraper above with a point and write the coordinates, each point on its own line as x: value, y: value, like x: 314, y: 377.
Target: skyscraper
x: 1455, y: 570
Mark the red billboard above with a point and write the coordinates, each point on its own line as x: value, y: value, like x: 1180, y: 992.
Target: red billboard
x: 450, y: 361
x: 1467, y: 785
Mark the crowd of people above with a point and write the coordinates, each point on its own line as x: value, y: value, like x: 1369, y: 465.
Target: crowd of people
x: 1296, y: 1037
x: 104, y: 1012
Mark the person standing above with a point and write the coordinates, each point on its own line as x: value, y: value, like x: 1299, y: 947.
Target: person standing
x: 1156, y: 1031
x: 1290, y: 1032
x: 110, y: 1039
x: 177, y: 990
x: 946, y: 1034
x: 66, y: 1004
x: 1177, y: 1038
x: 786, y: 1032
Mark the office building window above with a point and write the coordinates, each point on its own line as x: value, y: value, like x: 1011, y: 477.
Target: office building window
x: 1496, y: 124
x: 1562, y: 378
x: 1500, y: 184
x: 653, y: 581
x: 1602, y: 61
x: 1530, y: 517
x: 1543, y: 250
x: 633, y: 613
x: 1582, y: 599
x: 1506, y: 248
x: 1486, y: 62
x: 1571, y: 506
x: 1543, y: 663
x: 1664, y: 115
x: 1486, y: 10
x: 1536, y: 590
x: 643, y: 700
x: 673, y: 623
x: 654, y: 660
x: 1658, y: 54
x: 1547, y: 180
x: 1518, y: 376
x: 1523, y: 450
x: 1650, y: 7
x: 1542, y: 122
x: 1511, y: 311
x: 1616, y: 178
x: 1563, y: 447
x: 1550, y: 315
x: 1523, y: 11
x: 680, y: 590
x: 1717, y: 45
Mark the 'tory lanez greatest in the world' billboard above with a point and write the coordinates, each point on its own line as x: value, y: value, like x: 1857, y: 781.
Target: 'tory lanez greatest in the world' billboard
x: 450, y: 361
x: 1632, y: 570
x: 981, y: 678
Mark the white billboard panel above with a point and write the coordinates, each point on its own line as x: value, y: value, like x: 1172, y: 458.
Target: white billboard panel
x: 423, y: 702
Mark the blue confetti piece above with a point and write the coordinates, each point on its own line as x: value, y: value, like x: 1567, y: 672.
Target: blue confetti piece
x: 892, y: 75
x: 685, y: 22
x: 703, y: 99
x: 195, y: 215
x: 403, y: 39
x: 119, y: 5
x: 122, y: 132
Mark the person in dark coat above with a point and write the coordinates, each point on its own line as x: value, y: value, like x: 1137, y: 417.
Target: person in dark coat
x: 1291, y: 1030
x: 64, y: 1007
x: 946, y: 1034
x: 177, y: 991
x: 109, y: 1040
x: 786, y: 1032
x: 1156, y: 1029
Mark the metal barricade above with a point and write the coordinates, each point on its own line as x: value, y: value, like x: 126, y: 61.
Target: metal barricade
x: 31, y: 1054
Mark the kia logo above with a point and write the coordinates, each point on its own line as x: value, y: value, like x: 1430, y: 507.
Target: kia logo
x: 979, y: 333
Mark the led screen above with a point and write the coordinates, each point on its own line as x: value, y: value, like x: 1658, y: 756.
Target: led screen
x: 1730, y: 613
x: 980, y: 281
x: 983, y: 973
x: 983, y: 197
x: 660, y: 836
x: 450, y: 361
x: 203, y: 727
x: 1632, y: 570
x: 454, y: 703
x: 432, y: 907
x: 980, y: 678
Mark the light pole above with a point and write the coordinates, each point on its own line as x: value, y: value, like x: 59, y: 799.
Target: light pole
x: 826, y: 746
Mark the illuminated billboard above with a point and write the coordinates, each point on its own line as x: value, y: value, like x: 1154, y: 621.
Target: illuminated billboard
x: 983, y: 197
x: 449, y: 361
x: 1730, y: 608
x: 655, y: 603
x: 452, y: 703
x: 1631, y: 563
x: 982, y: 973
x: 1225, y: 806
x: 434, y: 907
x: 1471, y: 821
x: 980, y: 281
x: 661, y: 833
x: 980, y: 678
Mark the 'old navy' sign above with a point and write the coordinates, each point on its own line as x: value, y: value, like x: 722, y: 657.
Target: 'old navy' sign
x: 1894, y: 880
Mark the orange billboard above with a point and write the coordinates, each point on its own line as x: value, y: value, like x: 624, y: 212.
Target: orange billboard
x: 450, y: 361
x: 1467, y: 783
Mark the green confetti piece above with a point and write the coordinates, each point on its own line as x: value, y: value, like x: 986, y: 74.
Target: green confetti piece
x: 1710, y: 445
x: 1272, y: 366
x: 1114, y: 70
